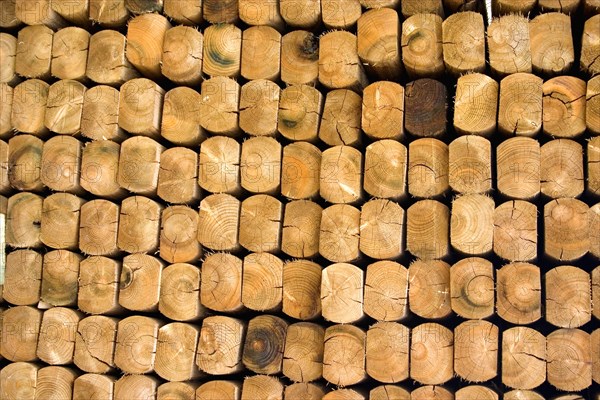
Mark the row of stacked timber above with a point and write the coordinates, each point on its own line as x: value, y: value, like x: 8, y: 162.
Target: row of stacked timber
x: 308, y: 14
x: 423, y: 46
x: 299, y: 199
x: 301, y: 289
x: 425, y: 169
x: 381, y: 229
x: 341, y: 354
x: 59, y: 381
x: 521, y: 105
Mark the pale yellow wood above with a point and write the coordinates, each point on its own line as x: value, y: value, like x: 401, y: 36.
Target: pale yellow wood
x: 476, y: 351
x: 341, y: 124
x: 179, y: 287
x: 60, y: 278
x: 182, y: 52
x: 139, y: 225
x: 412, y: 7
x: 518, y: 168
x: 568, y: 297
x: 218, y: 225
x: 262, y: 387
x: 95, y: 344
x: 100, y: 114
x: 385, y: 169
x: 259, y: 107
x: 219, y: 108
x: 302, y: 289
x: 61, y: 164
x: 552, y: 51
x: 472, y: 288
x: 299, y: 57
x: 262, y: 282
x: 344, y: 355
x: 303, y: 355
x: 476, y: 105
x: 139, y: 283
x: 463, y: 37
x: 99, y: 169
x: 339, y: 233
x: 34, y: 50
x: 509, y: 44
x: 566, y: 229
x: 342, y: 295
x: 378, y: 33
x: 99, y: 286
x: 29, y: 107
x: 135, y: 350
x: 301, y: 224
x: 92, y: 386
x: 25, y: 322
x: 70, y: 53
x: 422, y: 51
x: 56, y: 343
x: 339, y: 65
x: 219, y: 165
x: 221, y: 285
x: 8, y: 52
x: 185, y: 12
x: 304, y: 15
x: 261, y: 49
x: 23, y: 220
x: 260, y: 165
x: 387, y: 352
x: 382, y: 229
x: 520, y: 105
x: 222, y: 48
x: 219, y: 390
x: 340, y: 14
x: 431, y: 354
x: 132, y: 386
x: 6, y: 103
x: 569, y: 359
x: 220, y: 351
x: 64, y: 107
x: 470, y: 165
x: 429, y: 289
x: 341, y: 175
x: 55, y: 383
x: 38, y: 12
x: 590, y: 46
x: 178, y: 176
x: 140, y: 107
x: 18, y: 380
x: 383, y: 111
x: 472, y: 224
x: 109, y: 13
x: 427, y: 229
x: 179, y: 235
x: 22, y: 277
x: 519, y: 293
x: 145, y: 36
x: 107, y: 63
x: 592, y: 115
x: 428, y: 168
x: 176, y: 352
x: 299, y: 113
x: 515, y: 230
x: 300, y: 171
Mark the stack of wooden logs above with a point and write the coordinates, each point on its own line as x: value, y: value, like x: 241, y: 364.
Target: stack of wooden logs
x: 300, y: 199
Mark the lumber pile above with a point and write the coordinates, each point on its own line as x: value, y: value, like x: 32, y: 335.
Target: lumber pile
x: 299, y: 199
